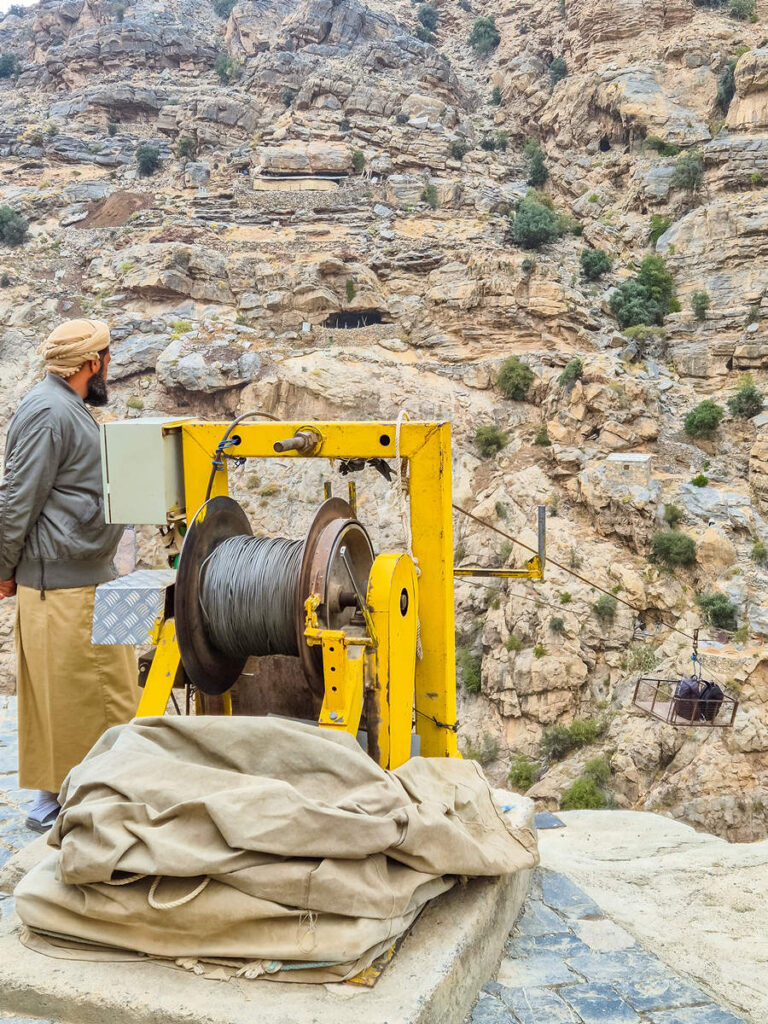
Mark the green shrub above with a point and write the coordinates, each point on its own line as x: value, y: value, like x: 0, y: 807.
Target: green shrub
x: 485, y: 36
x: 748, y: 401
x: 756, y: 180
x: 13, y: 227
x: 657, y: 227
x: 528, y: 266
x: 539, y: 651
x: 424, y: 34
x: 5, y: 279
x: 147, y: 158
x: 489, y: 441
x: 704, y: 420
x: 542, y: 438
x: 358, y: 161
x: 485, y: 751
x: 558, y: 69
x: 742, y: 10
x: 595, y: 263
x: 672, y: 548
x: 583, y: 794
x: 287, y: 96
x: 647, y: 298
x: 557, y: 741
x: 496, y: 96
x: 641, y: 658
x: 9, y: 65
x: 185, y: 147
x: 488, y: 144
x: 514, y: 379
x: 459, y: 149
x: 223, y: 8
x: 557, y: 625
x: 719, y: 610
x: 521, y: 773
x: 512, y: 643
x: 429, y: 196
x: 428, y: 16
x: 673, y: 514
x: 688, y: 172
x: 726, y: 86
x: 565, y: 597
x: 700, y: 303
x: 537, y: 168
x: 227, y: 68
x: 759, y: 550
x: 535, y: 223
x: 605, y: 608
x: 112, y: 127
x: 501, y: 511
x: 574, y: 370
x: 662, y: 147
x: 502, y: 141
x: 598, y: 770
x: 469, y: 665
x: 700, y: 480
x: 350, y: 289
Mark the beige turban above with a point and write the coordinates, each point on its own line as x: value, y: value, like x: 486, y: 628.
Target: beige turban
x: 72, y: 344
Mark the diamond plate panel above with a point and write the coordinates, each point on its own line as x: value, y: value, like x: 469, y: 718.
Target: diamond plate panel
x: 125, y: 609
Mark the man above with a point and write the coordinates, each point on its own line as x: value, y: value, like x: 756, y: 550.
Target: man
x: 55, y: 547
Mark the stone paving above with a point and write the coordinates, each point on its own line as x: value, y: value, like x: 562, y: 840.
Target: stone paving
x: 567, y: 963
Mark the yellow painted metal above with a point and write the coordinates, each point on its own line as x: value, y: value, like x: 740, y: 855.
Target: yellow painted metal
x: 162, y: 673
x: 534, y: 571
x: 427, y: 449
x: 343, y: 674
x: 393, y: 598
x: 429, y: 488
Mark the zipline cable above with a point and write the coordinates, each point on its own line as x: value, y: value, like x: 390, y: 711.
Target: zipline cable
x: 551, y: 561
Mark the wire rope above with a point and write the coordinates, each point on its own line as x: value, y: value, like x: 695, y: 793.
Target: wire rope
x: 551, y: 561
x: 248, y: 588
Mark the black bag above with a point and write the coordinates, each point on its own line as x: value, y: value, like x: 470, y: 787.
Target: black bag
x: 686, y: 699
x: 710, y: 701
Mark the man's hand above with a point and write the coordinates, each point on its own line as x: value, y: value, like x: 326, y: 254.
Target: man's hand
x: 7, y: 588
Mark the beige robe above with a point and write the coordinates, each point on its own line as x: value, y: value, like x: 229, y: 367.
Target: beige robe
x: 69, y: 690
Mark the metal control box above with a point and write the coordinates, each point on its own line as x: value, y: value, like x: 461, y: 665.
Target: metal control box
x: 143, y: 471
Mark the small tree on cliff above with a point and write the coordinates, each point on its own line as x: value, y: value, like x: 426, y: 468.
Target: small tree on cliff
x: 485, y: 36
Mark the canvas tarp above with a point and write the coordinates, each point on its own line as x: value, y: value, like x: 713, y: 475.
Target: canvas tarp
x: 261, y: 840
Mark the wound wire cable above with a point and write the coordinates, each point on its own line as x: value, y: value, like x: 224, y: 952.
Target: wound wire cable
x: 551, y: 561
x: 247, y: 594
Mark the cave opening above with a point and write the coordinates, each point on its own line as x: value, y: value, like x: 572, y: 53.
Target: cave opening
x: 350, y: 320
x: 605, y: 144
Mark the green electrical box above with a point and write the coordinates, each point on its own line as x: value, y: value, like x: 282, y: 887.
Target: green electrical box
x: 143, y: 471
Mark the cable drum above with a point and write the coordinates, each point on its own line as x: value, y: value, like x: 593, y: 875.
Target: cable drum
x: 247, y: 595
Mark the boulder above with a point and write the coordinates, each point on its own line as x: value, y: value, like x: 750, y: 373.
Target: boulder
x: 197, y: 364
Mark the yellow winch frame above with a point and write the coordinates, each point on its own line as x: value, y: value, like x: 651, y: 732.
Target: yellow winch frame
x: 427, y: 449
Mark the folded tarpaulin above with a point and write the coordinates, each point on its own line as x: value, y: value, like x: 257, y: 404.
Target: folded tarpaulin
x: 260, y: 840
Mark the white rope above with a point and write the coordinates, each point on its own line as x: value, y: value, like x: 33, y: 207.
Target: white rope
x: 405, y: 515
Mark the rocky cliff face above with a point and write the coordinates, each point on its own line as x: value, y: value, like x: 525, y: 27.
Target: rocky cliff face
x: 329, y: 233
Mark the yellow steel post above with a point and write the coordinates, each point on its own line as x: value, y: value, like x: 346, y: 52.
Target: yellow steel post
x: 393, y: 597
x: 432, y: 530
x: 162, y: 673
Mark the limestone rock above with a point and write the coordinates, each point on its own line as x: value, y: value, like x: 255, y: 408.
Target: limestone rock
x: 207, y: 366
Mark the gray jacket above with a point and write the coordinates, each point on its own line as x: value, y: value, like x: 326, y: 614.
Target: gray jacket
x: 52, y: 529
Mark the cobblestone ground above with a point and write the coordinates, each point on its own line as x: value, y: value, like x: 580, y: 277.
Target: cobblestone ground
x: 565, y: 961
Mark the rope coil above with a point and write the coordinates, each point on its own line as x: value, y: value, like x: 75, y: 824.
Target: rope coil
x: 248, y: 588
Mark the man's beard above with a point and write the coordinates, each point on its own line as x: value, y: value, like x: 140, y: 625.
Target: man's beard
x: 96, y: 392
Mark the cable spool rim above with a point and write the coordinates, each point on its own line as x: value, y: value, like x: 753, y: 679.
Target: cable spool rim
x: 208, y: 668
x: 332, y: 518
